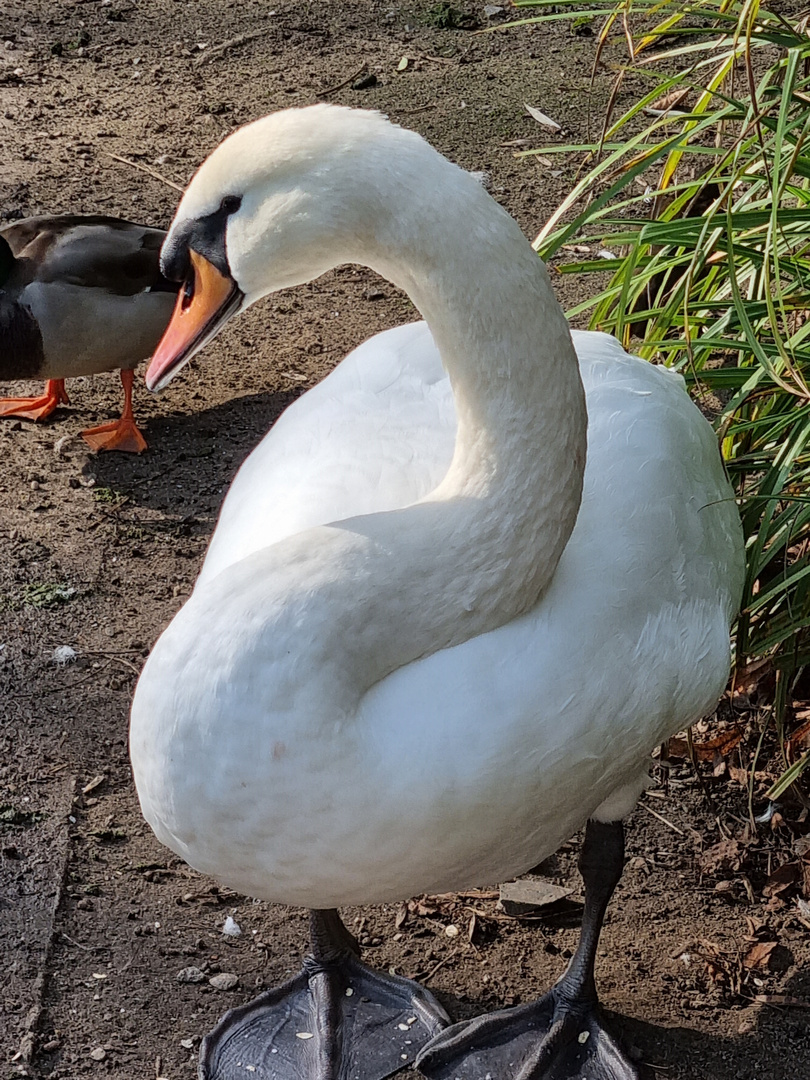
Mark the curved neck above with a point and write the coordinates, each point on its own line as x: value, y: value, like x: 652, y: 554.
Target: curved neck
x: 515, y: 483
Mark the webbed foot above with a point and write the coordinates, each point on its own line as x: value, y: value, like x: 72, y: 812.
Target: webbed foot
x: 336, y: 1020
x: 562, y: 1036
x: 550, y: 1039
x: 36, y: 408
x: 122, y: 435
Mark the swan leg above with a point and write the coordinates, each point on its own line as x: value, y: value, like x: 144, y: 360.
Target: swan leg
x: 562, y: 1036
x: 36, y: 408
x: 121, y: 434
x: 336, y: 1020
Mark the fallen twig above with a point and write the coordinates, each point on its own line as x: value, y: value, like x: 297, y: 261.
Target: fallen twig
x: 144, y: 168
x: 662, y: 819
x: 339, y: 86
x: 418, y: 109
x: 435, y: 968
x: 231, y: 43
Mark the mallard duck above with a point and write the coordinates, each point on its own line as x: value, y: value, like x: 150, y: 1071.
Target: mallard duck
x: 454, y: 598
x: 80, y: 295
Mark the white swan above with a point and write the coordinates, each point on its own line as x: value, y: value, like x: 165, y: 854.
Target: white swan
x: 413, y: 661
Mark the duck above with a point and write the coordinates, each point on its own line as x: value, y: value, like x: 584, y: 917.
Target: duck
x: 80, y: 294
x: 454, y: 599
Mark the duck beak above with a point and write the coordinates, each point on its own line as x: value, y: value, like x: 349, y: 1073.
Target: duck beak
x: 205, y: 302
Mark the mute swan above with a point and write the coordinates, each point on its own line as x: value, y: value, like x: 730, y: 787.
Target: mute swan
x: 421, y: 653
x: 79, y: 295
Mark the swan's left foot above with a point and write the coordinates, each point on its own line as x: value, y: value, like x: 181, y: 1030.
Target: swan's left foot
x: 336, y: 1020
x: 550, y: 1039
x: 562, y: 1036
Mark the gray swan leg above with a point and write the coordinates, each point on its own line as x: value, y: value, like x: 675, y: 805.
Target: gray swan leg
x: 336, y: 1020
x: 562, y: 1036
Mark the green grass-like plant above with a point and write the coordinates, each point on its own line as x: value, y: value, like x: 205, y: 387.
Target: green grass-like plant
x: 700, y: 188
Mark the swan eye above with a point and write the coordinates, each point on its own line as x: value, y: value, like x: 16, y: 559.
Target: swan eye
x: 230, y: 204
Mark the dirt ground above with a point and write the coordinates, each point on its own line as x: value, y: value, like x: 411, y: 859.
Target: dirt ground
x: 705, y: 953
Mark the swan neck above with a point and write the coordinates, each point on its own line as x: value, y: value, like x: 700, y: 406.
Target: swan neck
x: 513, y: 490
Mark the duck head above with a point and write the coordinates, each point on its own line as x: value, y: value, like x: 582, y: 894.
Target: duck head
x: 278, y: 203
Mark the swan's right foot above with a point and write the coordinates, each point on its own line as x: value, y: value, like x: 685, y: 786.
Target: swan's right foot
x: 336, y: 1020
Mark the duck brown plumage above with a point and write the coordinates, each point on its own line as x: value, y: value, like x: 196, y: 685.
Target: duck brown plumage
x: 80, y: 295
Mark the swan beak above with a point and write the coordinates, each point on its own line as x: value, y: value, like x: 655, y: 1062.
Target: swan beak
x: 205, y: 302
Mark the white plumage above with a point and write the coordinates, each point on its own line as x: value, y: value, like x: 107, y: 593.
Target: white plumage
x: 427, y: 699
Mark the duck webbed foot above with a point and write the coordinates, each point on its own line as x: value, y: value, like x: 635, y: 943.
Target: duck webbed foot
x: 122, y: 434
x: 36, y: 408
x: 336, y: 1020
x: 563, y: 1035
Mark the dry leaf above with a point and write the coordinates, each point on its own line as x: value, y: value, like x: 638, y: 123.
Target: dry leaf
x: 529, y: 895
x: 739, y: 776
x: 726, y: 857
x: 667, y: 103
x: 782, y: 879
x: 758, y: 956
x: 747, y: 680
x: 96, y: 782
x: 541, y: 118
x: 782, y: 999
x: 721, y: 745
x: 798, y: 741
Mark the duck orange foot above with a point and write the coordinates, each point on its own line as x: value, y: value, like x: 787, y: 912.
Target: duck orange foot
x: 36, y: 408
x: 122, y: 435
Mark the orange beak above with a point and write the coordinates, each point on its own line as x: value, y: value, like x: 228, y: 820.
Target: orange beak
x: 206, y: 301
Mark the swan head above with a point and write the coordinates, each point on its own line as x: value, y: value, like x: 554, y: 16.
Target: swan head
x: 279, y: 202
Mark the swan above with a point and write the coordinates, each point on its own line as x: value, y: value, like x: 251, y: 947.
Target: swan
x: 453, y: 600
x: 80, y: 294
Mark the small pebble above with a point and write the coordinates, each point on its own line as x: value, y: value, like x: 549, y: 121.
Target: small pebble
x: 98, y: 1054
x: 226, y: 980
x: 190, y: 975
x: 451, y: 930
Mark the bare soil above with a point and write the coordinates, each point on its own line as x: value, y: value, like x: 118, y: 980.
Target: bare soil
x: 707, y: 973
